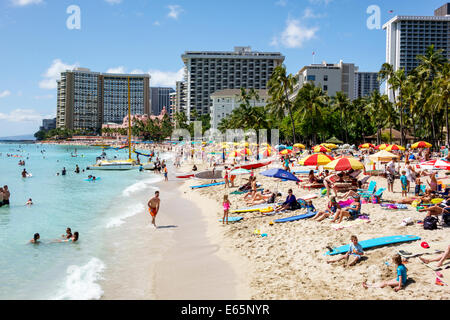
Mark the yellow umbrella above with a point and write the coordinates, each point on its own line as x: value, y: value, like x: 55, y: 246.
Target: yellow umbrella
x: 246, y: 152
x: 383, y: 146
x: 395, y: 147
x: 245, y: 144
x: 299, y: 145
x: 329, y: 145
x: 421, y: 144
x: 344, y: 164
x: 286, y: 151
x: 318, y: 159
x: 317, y: 149
x: 234, y: 154
x: 383, y: 156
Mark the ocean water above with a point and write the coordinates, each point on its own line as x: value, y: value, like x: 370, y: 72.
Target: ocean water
x: 54, y: 270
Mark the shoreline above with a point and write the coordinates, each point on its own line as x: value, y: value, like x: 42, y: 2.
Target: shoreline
x: 186, y: 258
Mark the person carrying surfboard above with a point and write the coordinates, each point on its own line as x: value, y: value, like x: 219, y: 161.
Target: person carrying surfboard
x: 153, y: 207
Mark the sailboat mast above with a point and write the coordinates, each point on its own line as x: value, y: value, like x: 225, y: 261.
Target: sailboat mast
x: 129, y: 121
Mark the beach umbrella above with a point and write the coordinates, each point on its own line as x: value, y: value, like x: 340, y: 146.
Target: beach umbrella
x: 318, y: 159
x: 280, y: 174
x: 334, y: 140
x: 344, y: 164
x: 329, y: 146
x: 382, y: 146
x: 234, y: 154
x: 286, y: 151
x: 317, y: 149
x: 383, y: 155
x: 239, y: 172
x: 395, y: 147
x: 421, y: 144
x: 246, y: 152
x: 280, y: 147
x: 245, y: 144
x: 366, y: 146
x: 299, y: 145
x: 435, y: 164
x: 267, y: 153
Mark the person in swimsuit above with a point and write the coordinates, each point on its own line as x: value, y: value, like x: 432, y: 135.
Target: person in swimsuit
x: 6, y: 195
x: 440, y: 260
x: 254, y: 189
x: 353, y: 212
x: 353, y: 255
x: 68, y: 234
x: 24, y: 173
x: 1, y: 197
x: 398, y: 283
x: 153, y: 207
x: 35, y: 239
x: 226, y: 208
x: 332, y: 208
x: 73, y: 238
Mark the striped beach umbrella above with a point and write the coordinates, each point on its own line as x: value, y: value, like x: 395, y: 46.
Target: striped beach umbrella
x: 382, y: 146
x: 246, y: 152
x: 234, y: 154
x: 366, y: 146
x: 421, y: 144
x: 434, y: 164
x: 331, y: 146
x: 395, y: 147
x: 318, y: 149
x: 267, y: 152
x: 286, y: 151
x: 299, y: 146
x: 344, y: 164
x: 318, y: 159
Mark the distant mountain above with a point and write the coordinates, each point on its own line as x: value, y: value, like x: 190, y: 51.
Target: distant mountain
x: 21, y: 138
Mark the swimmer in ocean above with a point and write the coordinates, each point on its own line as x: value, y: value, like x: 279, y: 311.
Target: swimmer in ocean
x: 35, y: 239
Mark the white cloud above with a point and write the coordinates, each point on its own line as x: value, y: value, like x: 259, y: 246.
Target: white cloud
x: 295, y: 34
x: 53, y: 73
x: 325, y: 2
x: 120, y: 69
x: 309, y: 14
x: 165, y: 78
x: 113, y: 1
x: 158, y: 78
x: 174, y: 11
x: 22, y: 115
x: 5, y: 93
x: 44, y: 97
x: 281, y: 3
x: 23, y: 3
x: 156, y: 23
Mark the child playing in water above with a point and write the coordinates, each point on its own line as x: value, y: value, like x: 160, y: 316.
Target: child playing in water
x: 226, y: 208
x: 353, y: 254
x: 398, y: 283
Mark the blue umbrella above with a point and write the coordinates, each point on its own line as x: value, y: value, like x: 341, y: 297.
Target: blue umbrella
x: 280, y: 174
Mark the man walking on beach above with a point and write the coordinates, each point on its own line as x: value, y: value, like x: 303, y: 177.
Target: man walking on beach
x: 153, y: 207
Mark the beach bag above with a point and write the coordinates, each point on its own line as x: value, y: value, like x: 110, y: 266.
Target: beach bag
x: 430, y: 223
x: 446, y: 218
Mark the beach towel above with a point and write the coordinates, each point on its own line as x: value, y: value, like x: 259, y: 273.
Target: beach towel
x: 237, y: 192
x: 393, y: 206
x: 346, y: 203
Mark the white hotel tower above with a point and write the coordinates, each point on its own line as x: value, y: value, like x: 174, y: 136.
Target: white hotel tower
x: 410, y: 36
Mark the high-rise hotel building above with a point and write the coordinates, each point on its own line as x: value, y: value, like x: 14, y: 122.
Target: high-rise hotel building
x: 209, y: 71
x: 86, y: 99
x: 366, y: 83
x: 410, y: 36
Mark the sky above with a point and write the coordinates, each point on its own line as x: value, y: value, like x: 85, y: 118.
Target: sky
x: 41, y: 38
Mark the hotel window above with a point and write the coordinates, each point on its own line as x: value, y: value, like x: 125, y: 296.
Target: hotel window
x: 325, y: 78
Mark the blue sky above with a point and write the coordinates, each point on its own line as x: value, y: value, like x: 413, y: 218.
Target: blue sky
x: 150, y: 36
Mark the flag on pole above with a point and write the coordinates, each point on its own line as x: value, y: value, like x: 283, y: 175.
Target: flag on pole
x: 391, y: 11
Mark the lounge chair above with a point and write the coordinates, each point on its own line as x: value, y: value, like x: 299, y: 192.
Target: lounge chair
x: 370, y: 190
x: 378, y: 194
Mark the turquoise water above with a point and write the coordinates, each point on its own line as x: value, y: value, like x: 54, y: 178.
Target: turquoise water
x: 54, y: 270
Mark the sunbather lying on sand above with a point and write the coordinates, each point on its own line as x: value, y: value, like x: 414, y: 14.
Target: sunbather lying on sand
x: 440, y: 259
x: 259, y: 198
x: 435, y: 210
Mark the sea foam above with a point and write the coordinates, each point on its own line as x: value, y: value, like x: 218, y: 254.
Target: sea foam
x: 80, y: 283
x: 140, y: 186
x: 118, y: 221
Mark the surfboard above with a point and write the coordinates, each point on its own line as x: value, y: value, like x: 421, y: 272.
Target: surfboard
x: 208, y: 185
x: 232, y: 219
x: 377, y: 242
x: 208, y: 175
x: 296, y: 218
x: 253, y: 209
x: 185, y: 176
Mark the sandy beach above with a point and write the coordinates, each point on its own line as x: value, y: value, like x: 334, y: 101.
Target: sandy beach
x: 185, y: 258
x: 290, y: 262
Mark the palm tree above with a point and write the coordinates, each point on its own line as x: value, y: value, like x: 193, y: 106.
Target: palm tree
x: 386, y: 73
x: 340, y: 102
x: 377, y: 103
x: 309, y: 102
x: 281, y: 86
x: 398, y: 82
x: 431, y: 62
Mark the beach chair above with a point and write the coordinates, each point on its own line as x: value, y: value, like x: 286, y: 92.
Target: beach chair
x: 378, y: 195
x: 369, y: 192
